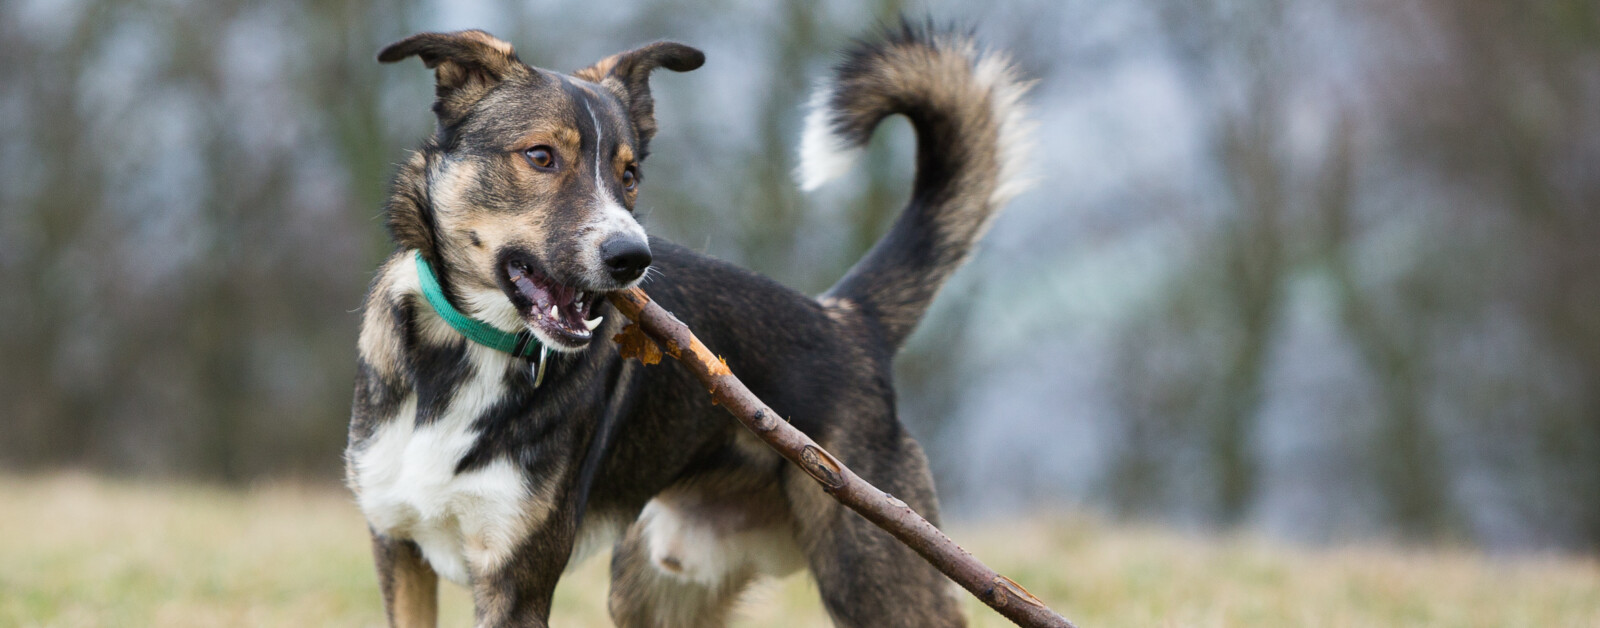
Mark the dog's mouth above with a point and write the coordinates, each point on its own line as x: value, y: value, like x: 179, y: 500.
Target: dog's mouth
x: 559, y: 311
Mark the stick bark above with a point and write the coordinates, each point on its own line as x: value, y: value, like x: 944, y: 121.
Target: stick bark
x: 886, y: 511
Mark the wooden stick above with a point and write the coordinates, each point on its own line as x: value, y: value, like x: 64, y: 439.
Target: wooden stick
x: 886, y: 511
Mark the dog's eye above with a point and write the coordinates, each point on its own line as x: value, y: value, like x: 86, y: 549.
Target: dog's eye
x: 630, y: 178
x: 541, y: 157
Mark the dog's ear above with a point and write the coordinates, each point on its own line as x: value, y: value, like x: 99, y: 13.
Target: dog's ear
x: 467, y: 64
x: 627, y: 74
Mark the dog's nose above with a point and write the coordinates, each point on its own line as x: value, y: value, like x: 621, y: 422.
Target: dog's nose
x: 625, y: 257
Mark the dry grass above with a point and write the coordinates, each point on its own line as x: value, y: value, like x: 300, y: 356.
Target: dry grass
x: 81, y: 551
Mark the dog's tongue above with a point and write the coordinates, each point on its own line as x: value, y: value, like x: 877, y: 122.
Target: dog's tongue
x: 552, y: 302
x: 535, y: 293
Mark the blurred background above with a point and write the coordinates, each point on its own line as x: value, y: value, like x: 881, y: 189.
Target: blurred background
x: 1322, y: 270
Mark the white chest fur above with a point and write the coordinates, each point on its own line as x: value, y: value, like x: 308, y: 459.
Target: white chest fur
x: 407, y: 484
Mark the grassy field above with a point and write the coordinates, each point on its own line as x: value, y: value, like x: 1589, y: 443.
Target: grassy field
x: 81, y: 551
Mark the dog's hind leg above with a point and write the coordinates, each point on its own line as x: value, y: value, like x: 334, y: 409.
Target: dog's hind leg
x: 410, y: 587
x: 693, y: 551
x: 646, y: 593
x: 865, y: 576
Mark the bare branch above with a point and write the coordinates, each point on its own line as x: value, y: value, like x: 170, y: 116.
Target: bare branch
x: 884, y: 510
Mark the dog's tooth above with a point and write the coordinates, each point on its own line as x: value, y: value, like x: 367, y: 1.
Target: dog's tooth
x: 554, y: 313
x: 594, y: 322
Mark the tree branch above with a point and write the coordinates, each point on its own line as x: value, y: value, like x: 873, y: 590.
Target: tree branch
x: 882, y: 509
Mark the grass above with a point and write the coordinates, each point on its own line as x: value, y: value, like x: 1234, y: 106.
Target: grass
x: 84, y: 551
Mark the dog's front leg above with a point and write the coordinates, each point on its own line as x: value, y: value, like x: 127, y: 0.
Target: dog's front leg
x: 517, y: 590
x: 410, y: 587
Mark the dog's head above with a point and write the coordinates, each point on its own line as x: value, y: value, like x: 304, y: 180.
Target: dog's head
x: 524, y: 197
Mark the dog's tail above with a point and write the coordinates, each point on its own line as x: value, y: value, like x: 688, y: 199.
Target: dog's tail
x: 972, y: 141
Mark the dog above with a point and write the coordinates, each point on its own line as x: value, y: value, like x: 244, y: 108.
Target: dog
x: 496, y: 435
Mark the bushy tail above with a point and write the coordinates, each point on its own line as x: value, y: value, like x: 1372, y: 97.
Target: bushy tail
x: 972, y: 141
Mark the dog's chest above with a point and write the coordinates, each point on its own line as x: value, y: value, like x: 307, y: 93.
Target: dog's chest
x: 407, y: 485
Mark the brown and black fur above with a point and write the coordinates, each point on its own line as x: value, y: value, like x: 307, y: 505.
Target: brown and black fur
x: 602, y: 437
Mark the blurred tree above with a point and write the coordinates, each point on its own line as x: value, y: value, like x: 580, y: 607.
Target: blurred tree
x: 1230, y: 54
x: 189, y: 200
x: 1496, y: 108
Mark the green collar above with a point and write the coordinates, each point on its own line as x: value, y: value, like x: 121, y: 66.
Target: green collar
x: 521, y: 344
